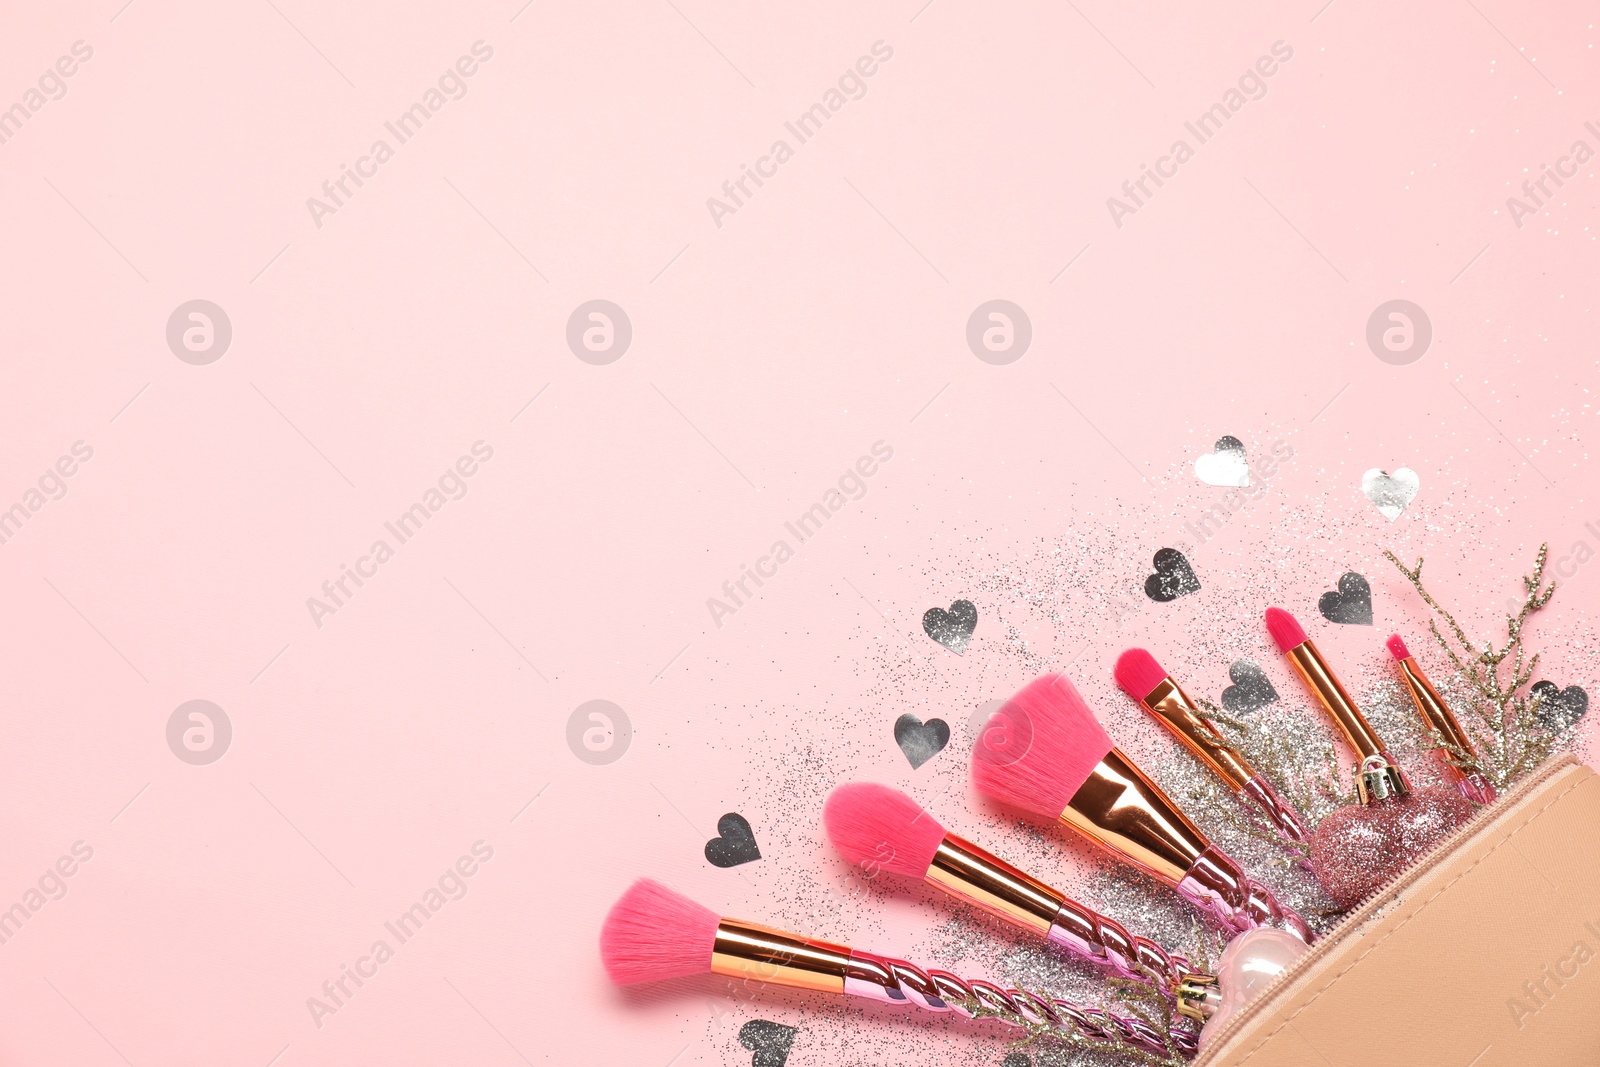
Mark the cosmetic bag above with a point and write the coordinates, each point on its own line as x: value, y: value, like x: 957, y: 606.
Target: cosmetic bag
x: 1486, y: 953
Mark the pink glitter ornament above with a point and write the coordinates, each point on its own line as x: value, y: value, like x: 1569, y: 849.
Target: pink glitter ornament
x: 1360, y: 848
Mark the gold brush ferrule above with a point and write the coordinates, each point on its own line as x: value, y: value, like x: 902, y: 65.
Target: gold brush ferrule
x: 1432, y: 706
x: 1378, y: 779
x: 1128, y: 813
x: 1198, y: 996
x: 1321, y: 680
x: 966, y: 871
x: 760, y: 953
x: 1373, y: 782
x: 1169, y: 703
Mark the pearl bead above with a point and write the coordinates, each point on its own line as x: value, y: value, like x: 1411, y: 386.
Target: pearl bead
x: 1249, y: 964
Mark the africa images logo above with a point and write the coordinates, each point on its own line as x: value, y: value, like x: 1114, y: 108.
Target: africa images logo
x: 1251, y: 85
x: 851, y: 85
x: 451, y: 85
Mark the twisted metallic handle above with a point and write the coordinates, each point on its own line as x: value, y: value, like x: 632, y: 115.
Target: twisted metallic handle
x: 897, y: 982
x: 1275, y: 808
x: 1106, y: 941
x: 1219, y: 885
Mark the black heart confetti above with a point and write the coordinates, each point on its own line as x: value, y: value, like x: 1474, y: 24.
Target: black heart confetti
x: 1251, y: 689
x: 1559, y: 708
x: 920, y: 741
x: 952, y: 628
x: 734, y: 844
x: 1351, y: 605
x: 768, y: 1040
x: 1173, y: 577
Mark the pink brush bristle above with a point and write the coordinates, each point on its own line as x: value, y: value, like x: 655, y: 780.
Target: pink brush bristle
x: 1286, y: 631
x: 878, y: 828
x: 1397, y: 647
x: 1039, y: 748
x: 1138, y: 673
x: 653, y: 934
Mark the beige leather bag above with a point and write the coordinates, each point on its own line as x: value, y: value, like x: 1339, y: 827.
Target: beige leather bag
x: 1485, y: 954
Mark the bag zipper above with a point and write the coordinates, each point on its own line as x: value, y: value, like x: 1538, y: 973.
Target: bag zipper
x: 1379, y: 898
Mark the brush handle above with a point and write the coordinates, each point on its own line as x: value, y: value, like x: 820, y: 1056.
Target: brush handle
x: 1219, y: 885
x: 1475, y: 787
x: 897, y: 982
x: 1105, y: 941
x: 1276, y: 809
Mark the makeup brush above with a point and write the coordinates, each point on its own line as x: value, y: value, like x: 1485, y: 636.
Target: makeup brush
x: 653, y: 934
x: 1143, y: 679
x: 1359, y: 848
x: 1378, y: 775
x: 877, y: 828
x: 1044, y: 752
x: 1470, y: 784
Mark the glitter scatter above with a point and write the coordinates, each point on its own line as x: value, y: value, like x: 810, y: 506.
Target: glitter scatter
x: 1071, y: 602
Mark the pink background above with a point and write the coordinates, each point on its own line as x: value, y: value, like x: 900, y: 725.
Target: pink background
x: 828, y: 313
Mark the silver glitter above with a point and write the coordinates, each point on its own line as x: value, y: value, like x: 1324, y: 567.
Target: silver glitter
x: 1072, y: 601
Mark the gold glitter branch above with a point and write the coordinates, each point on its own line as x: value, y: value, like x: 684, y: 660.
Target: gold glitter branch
x: 1308, y: 774
x: 1510, y: 737
x: 1142, y: 1000
x: 1132, y: 998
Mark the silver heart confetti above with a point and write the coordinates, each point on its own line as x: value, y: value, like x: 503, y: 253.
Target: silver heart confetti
x: 1351, y: 605
x: 1251, y: 690
x: 769, y: 1041
x: 1227, y: 465
x: 920, y: 741
x: 953, y: 628
x: 1390, y: 493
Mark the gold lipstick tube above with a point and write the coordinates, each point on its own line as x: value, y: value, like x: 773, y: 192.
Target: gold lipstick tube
x: 1372, y: 782
x: 1437, y: 714
x: 746, y: 950
x: 1178, y: 712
